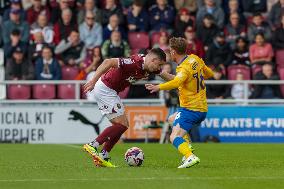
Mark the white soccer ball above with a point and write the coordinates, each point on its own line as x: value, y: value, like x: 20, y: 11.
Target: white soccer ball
x: 134, y: 156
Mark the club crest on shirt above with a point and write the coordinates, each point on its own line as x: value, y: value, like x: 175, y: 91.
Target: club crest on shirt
x: 118, y: 106
x: 131, y: 79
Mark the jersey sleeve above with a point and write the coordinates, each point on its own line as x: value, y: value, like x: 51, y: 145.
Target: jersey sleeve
x: 207, y: 72
x: 181, y: 76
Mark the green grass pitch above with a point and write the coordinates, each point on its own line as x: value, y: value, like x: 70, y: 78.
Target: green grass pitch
x: 232, y: 166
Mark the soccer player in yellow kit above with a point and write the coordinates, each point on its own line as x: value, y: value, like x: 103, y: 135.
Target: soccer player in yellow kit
x: 190, y: 74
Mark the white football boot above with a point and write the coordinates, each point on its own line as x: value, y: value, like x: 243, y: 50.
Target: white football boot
x: 190, y: 161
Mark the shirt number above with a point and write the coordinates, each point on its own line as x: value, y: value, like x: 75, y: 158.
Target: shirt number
x: 199, y: 82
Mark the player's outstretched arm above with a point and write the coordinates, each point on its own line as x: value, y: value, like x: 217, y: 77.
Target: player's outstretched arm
x: 207, y: 72
x: 167, y: 76
x: 103, y: 68
x: 172, y: 84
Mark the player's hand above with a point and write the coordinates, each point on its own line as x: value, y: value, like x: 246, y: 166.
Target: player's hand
x: 152, y: 88
x: 89, y: 86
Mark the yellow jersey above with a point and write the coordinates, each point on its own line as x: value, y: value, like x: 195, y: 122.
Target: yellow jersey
x: 189, y: 80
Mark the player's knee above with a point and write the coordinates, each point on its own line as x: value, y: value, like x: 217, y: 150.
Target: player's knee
x: 122, y: 120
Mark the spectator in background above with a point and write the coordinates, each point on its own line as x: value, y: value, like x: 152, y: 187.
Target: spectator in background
x: 241, y: 53
x: 91, y: 63
x: 258, y: 25
x: 211, y: 8
x: 91, y: 31
x: 15, y: 5
x: 182, y: 22
x: 201, y: 3
x: 64, y: 26
x: 137, y: 17
x: 162, y: 16
x: 36, y: 10
x: 113, y: 26
x: 220, y: 91
x: 15, y: 41
x: 110, y: 9
x: 206, y: 31
x: 275, y: 13
x: 115, y: 47
x: 18, y: 67
x: 253, y: 6
x: 57, y: 8
x: 260, y: 52
x: 47, y: 67
x: 266, y: 91
x: 194, y: 46
x: 190, y: 5
x: 278, y: 36
x: 234, y: 7
x: 45, y: 28
x: 71, y: 50
x: 126, y: 4
x: 238, y: 89
x: 15, y: 23
x: 163, y: 41
x: 89, y: 5
x: 36, y: 46
x: 219, y: 53
x: 4, y: 5
x: 234, y: 29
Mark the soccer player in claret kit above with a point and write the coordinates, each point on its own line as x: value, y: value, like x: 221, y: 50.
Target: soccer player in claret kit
x: 111, y: 77
x: 189, y: 80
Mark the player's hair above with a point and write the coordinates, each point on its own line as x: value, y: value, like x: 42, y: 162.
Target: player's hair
x: 159, y: 53
x: 178, y: 44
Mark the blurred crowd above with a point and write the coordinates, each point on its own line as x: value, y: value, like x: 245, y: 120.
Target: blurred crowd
x: 238, y: 39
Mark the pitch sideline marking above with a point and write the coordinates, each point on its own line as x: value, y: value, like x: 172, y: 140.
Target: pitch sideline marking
x: 142, y: 178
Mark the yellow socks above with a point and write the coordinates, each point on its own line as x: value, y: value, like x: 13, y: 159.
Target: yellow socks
x: 182, y: 146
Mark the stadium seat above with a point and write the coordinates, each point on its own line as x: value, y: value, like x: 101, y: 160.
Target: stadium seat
x: 69, y: 72
x: 234, y: 69
x: 19, y: 92
x: 255, y: 69
x: 279, y: 58
x: 155, y: 37
x: 138, y: 40
x: 66, y: 91
x: 44, y: 91
x: 281, y: 75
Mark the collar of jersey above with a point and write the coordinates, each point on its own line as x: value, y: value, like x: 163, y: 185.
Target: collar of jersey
x: 183, y: 59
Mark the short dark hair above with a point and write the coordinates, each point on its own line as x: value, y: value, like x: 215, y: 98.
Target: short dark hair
x: 138, y: 3
x: 46, y: 46
x: 159, y: 52
x: 260, y: 33
x: 16, y: 32
x: 256, y: 14
x: 179, y: 44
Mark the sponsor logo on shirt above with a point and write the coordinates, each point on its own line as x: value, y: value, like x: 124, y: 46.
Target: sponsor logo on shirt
x: 127, y: 61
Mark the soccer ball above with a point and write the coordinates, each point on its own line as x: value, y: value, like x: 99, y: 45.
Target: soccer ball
x: 134, y: 156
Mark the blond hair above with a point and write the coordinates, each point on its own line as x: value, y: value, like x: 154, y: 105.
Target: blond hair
x: 178, y: 44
